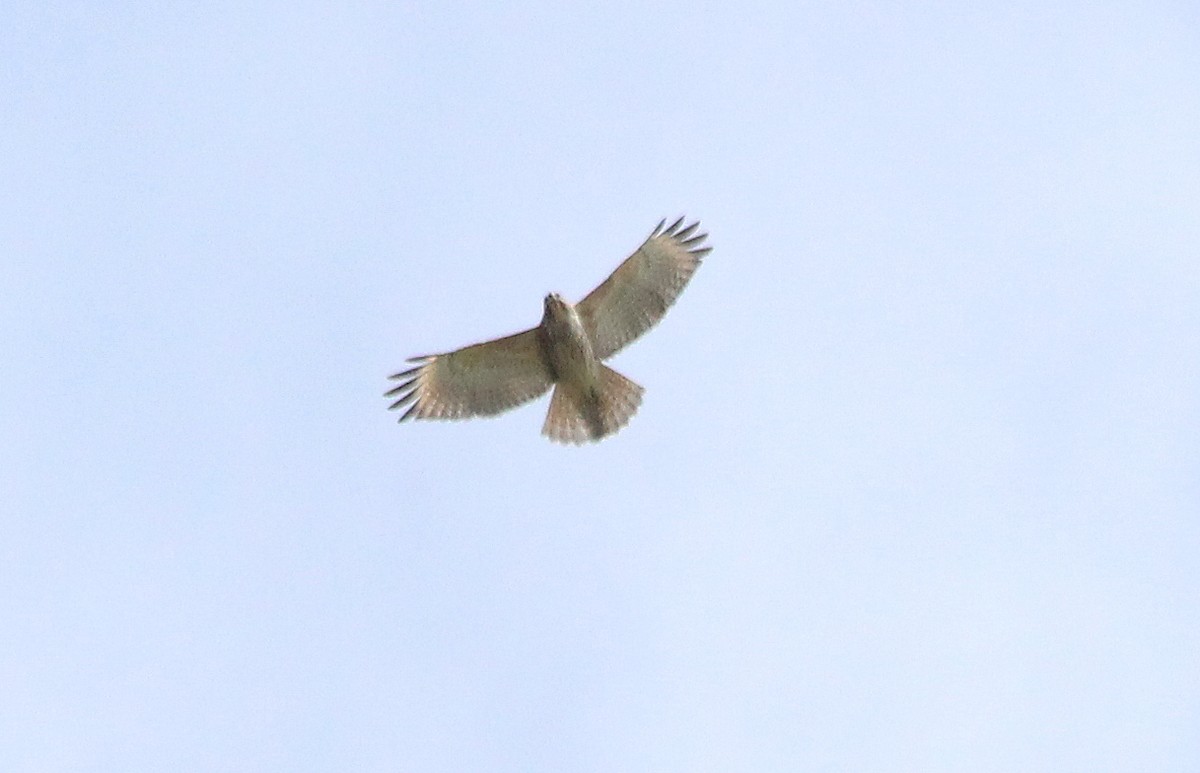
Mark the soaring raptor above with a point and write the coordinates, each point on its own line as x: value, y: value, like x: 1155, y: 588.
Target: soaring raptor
x: 566, y: 350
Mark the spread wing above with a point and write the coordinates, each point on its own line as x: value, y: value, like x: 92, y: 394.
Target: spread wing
x: 642, y: 288
x: 479, y: 380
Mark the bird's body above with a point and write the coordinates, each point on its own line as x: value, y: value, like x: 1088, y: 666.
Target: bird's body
x: 565, y: 350
x: 591, y: 400
x: 568, y: 347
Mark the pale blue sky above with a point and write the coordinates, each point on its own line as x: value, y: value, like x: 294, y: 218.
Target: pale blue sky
x: 915, y: 485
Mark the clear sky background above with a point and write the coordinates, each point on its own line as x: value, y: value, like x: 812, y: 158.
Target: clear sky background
x: 915, y: 485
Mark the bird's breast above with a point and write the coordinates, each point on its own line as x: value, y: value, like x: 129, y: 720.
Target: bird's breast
x: 568, y: 347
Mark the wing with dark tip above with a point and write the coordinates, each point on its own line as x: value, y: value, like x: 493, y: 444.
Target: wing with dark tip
x: 639, y: 292
x: 480, y: 380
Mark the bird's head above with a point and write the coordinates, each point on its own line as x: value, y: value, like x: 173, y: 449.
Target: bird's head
x: 556, y: 310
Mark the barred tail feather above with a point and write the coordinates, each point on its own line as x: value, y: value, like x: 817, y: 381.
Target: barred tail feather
x: 577, y: 416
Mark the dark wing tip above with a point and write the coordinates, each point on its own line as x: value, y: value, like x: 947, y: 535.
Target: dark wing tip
x: 678, y: 231
x: 407, y: 391
x: 403, y: 401
x: 405, y: 374
x: 405, y: 387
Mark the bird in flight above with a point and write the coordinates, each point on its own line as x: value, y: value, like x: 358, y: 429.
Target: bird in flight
x: 565, y: 351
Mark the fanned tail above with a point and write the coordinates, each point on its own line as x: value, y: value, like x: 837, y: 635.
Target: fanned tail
x: 577, y: 415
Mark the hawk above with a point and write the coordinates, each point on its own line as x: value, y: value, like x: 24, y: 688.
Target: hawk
x: 565, y: 351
